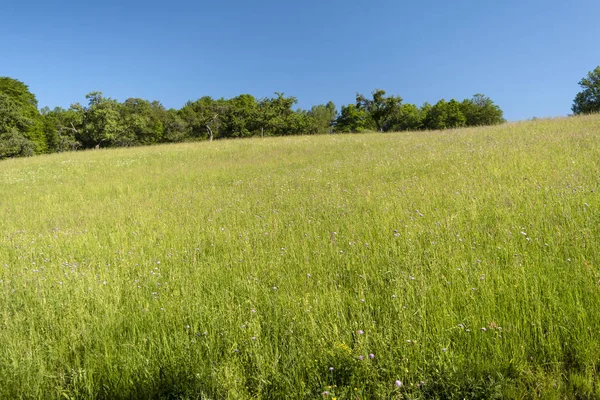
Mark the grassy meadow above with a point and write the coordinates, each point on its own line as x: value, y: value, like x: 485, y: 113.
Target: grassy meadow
x: 452, y: 264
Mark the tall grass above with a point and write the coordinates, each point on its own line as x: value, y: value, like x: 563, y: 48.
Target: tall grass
x: 455, y: 264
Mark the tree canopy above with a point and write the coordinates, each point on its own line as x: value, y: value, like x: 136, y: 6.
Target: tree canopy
x: 588, y: 100
x: 106, y: 122
x: 380, y: 108
x: 21, y: 126
x: 388, y: 113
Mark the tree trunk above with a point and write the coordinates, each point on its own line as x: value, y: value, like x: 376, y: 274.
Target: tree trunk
x: 210, y: 133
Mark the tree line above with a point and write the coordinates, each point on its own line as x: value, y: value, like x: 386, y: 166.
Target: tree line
x: 105, y: 122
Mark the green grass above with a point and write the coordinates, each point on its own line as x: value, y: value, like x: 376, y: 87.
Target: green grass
x: 246, y: 269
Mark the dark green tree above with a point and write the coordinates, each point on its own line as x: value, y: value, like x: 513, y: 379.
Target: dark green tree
x: 204, y: 117
x: 49, y: 124
x: 588, y: 100
x: 408, y: 117
x: 143, y: 120
x: 69, y: 127
x: 13, y: 142
x: 240, y: 117
x: 275, y: 116
x: 176, y: 129
x: 11, y: 115
x: 20, y: 107
x: 353, y: 119
x: 455, y: 117
x: 301, y: 122
x: 102, y: 123
x: 323, y: 116
x: 380, y: 108
x: 436, y: 116
x: 282, y: 114
x: 480, y: 111
x: 265, y: 112
x: 445, y: 115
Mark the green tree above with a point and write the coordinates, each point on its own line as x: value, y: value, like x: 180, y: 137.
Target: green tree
x: 20, y: 107
x: 437, y: 115
x: 204, y: 117
x: 353, y: 119
x: 425, y: 111
x: 588, y: 100
x: 323, y: 116
x: 380, y: 108
x: 59, y: 129
x: 301, y: 122
x: 282, y: 114
x: 70, y: 127
x: 445, y: 115
x: 275, y: 116
x: 455, y: 117
x: 239, y: 120
x: 265, y: 112
x: 176, y: 129
x: 14, y: 144
x: 143, y: 120
x: 102, y: 123
x: 12, y: 123
x: 10, y: 115
x: 481, y: 110
x: 408, y: 117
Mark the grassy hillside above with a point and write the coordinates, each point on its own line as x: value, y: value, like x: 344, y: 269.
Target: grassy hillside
x: 448, y: 264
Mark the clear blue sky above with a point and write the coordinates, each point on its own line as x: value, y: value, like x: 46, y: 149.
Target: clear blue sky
x: 528, y: 56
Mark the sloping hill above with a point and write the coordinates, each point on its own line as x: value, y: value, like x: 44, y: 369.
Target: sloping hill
x: 460, y: 263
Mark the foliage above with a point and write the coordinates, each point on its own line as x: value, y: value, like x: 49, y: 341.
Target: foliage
x: 19, y: 93
x: 62, y: 127
x: 143, y: 120
x: 276, y: 113
x: 204, y: 117
x: 18, y: 111
x: 380, y: 108
x: 407, y: 117
x: 103, y: 124
x: 10, y: 117
x: 175, y: 128
x: 240, y: 119
x: 324, y: 116
x: 354, y: 119
x: 14, y: 144
x: 480, y: 111
x: 106, y: 122
x: 445, y: 115
x: 454, y: 115
x: 588, y: 100
x: 390, y: 114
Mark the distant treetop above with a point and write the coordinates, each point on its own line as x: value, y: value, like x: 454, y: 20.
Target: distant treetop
x: 588, y: 100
